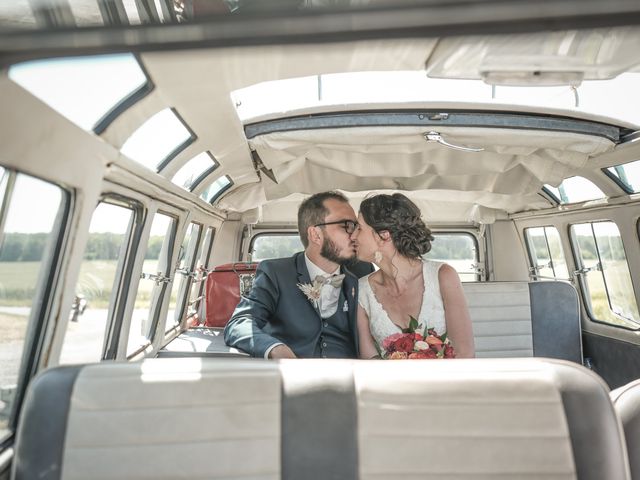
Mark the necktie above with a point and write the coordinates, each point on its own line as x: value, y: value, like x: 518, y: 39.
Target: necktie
x: 333, y: 280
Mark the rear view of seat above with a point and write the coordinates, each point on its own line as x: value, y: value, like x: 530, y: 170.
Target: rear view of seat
x: 318, y: 419
x: 523, y: 319
x: 627, y: 402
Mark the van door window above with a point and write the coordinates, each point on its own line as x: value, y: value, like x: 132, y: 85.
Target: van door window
x: 86, y: 330
x: 458, y: 250
x: 182, y: 274
x: 153, y: 282
x: 545, y: 254
x: 28, y: 233
x: 604, y: 274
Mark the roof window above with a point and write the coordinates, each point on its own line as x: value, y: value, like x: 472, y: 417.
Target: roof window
x: 626, y: 175
x: 89, y: 91
x: 575, y: 189
x: 158, y: 140
x: 195, y: 170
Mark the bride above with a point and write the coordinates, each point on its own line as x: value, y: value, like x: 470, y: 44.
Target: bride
x: 393, y: 236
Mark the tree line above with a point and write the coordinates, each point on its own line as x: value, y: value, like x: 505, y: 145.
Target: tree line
x: 30, y: 247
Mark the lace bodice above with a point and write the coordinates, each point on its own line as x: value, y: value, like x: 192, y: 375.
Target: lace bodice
x: 431, y: 312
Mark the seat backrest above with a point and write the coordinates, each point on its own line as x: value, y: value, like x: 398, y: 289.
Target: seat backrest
x: 522, y: 319
x: 224, y: 286
x: 626, y: 400
x: 317, y: 419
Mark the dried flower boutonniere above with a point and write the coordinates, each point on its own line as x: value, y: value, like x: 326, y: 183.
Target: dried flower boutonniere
x: 312, y: 290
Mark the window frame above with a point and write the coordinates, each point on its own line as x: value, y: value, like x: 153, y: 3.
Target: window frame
x: 127, y: 102
x: 180, y: 147
x: 124, y: 273
x: 270, y: 233
x: 184, y: 289
x: 46, y: 287
x: 158, y: 293
x: 581, y: 279
x: 205, y: 258
x: 480, y: 262
x: 617, y: 179
x: 530, y: 255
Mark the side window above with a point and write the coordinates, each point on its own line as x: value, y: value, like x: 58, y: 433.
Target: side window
x: 182, y: 274
x: 200, y: 274
x: 86, y: 331
x: 153, y: 282
x: 604, y: 274
x: 29, y: 231
x: 458, y: 250
x: 545, y: 254
x: 274, y: 245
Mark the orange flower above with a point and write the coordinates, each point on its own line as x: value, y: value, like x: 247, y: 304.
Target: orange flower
x: 398, y: 356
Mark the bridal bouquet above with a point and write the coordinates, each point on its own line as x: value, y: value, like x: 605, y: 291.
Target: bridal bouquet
x: 412, y: 345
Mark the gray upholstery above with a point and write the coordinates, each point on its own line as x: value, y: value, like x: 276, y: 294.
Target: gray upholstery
x: 319, y: 421
x: 525, y: 319
x: 555, y: 321
x: 626, y: 400
x: 254, y: 419
x: 43, y: 422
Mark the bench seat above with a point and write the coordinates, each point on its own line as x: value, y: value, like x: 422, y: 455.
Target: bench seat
x: 315, y: 419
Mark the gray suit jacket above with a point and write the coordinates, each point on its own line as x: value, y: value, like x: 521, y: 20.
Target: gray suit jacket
x: 276, y: 310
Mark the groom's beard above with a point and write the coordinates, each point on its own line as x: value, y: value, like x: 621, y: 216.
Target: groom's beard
x: 331, y: 253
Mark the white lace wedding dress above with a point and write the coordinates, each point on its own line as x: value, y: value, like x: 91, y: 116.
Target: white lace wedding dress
x: 431, y: 312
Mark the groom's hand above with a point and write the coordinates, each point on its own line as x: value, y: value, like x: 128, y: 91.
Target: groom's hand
x: 281, y: 351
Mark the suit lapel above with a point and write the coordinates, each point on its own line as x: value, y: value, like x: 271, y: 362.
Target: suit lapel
x: 303, y: 278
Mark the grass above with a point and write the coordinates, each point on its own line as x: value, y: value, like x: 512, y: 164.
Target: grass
x: 18, y: 283
x: 620, y: 287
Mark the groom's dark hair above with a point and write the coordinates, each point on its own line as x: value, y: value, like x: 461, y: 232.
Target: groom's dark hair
x: 312, y: 212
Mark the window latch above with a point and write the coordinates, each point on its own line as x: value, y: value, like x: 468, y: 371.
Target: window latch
x: 158, y: 278
x: 436, y: 137
x: 584, y: 270
x: 187, y: 273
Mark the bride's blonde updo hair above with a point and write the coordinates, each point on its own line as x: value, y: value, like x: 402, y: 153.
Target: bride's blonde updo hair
x: 402, y: 219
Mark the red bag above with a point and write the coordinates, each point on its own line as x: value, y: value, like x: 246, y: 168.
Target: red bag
x: 223, y: 289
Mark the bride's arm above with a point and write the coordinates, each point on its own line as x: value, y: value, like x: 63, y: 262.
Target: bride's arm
x: 365, y: 340
x: 456, y: 312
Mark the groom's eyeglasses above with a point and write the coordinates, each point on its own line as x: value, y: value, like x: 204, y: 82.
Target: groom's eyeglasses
x: 349, y: 225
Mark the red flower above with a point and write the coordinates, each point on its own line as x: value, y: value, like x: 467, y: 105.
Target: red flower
x: 404, y: 343
x: 389, y: 343
x: 449, y: 352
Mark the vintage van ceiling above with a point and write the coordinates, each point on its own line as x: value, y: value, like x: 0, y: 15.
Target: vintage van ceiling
x: 505, y: 177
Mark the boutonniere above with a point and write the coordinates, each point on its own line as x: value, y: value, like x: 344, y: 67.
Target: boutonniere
x: 312, y: 290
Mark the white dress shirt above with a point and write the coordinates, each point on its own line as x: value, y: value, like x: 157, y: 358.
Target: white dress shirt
x: 329, y: 295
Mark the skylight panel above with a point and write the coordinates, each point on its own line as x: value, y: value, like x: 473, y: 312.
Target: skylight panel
x: 216, y: 189
x: 195, y: 170
x: 627, y: 175
x: 158, y: 140
x: 575, y: 189
x: 608, y: 98
x: 86, y: 90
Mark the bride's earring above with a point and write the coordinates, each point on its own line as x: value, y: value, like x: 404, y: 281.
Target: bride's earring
x: 377, y: 256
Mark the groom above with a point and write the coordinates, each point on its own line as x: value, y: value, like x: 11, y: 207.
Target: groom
x: 305, y: 306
